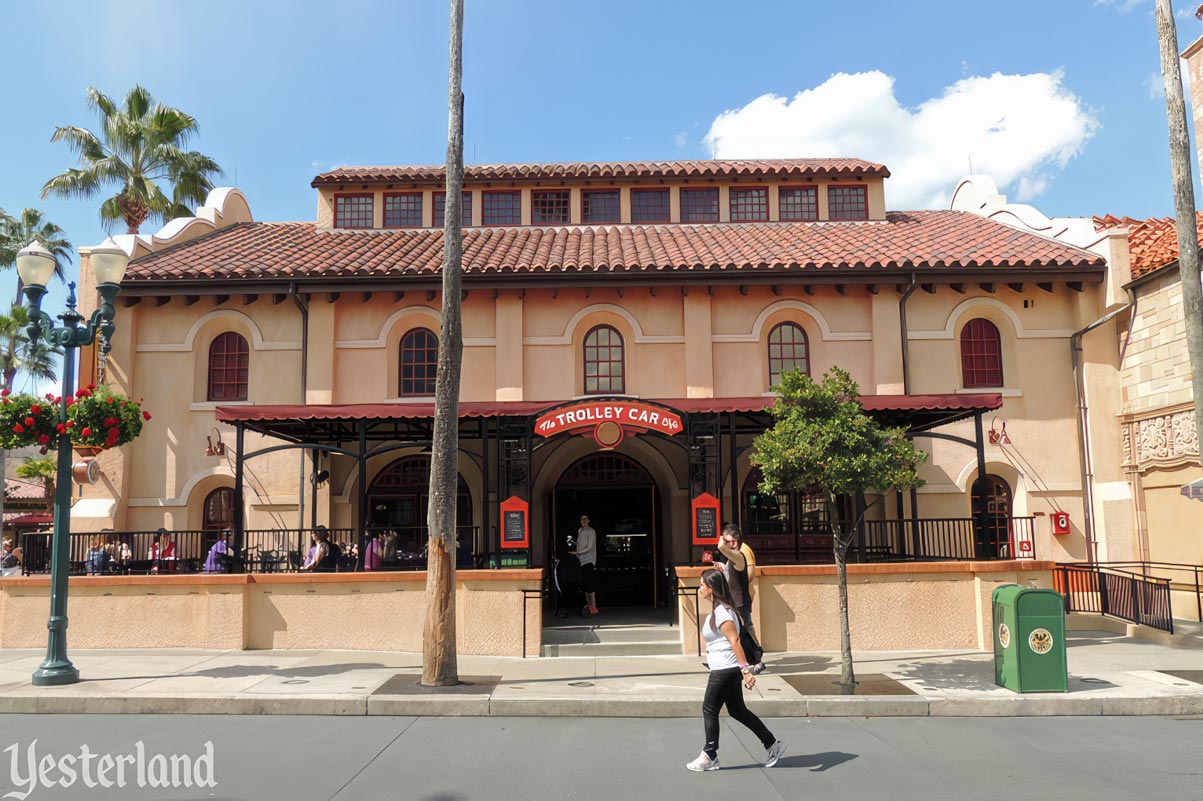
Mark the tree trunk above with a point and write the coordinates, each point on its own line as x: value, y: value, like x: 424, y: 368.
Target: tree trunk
x: 1184, y: 200
x: 839, y: 550
x: 439, y: 668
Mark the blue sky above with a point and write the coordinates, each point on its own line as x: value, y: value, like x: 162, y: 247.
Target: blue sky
x: 284, y: 90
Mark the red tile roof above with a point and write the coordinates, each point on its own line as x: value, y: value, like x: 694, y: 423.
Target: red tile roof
x: 16, y: 488
x: 608, y: 170
x: 1152, y: 243
x: 905, y: 240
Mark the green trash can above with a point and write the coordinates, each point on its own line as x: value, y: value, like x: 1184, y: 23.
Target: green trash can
x: 1029, y: 640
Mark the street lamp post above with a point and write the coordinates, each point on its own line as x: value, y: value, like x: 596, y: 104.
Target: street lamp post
x: 35, y: 265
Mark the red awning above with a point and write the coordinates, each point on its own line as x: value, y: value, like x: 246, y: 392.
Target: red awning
x: 474, y: 409
x: 35, y: 519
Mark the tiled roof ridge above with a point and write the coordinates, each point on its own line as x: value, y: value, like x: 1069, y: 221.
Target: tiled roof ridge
x: 602, y: 169
x: 1152, y: 242
x: 936, y: 239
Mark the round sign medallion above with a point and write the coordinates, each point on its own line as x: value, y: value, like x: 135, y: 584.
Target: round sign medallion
x: 1041, y: 641
x: 1004, y: 635
x: 608, y: 434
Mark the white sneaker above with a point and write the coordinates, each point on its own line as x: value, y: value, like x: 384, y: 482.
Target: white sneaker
x: 776, y: 751
x: 756, y: 670
x: 704, y: 762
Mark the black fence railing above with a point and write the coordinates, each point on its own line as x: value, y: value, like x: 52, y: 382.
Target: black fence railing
x: 260, y: 551
x: 948, y: 538
x: 1117, y: 593
x: 1186, y: 579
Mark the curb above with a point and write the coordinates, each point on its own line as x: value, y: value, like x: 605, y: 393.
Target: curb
x: 483, y: 705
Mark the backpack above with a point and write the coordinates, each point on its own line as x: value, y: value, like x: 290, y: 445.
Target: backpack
x: 333, y: 555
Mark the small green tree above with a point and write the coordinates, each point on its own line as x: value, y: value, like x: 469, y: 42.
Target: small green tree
x: 822, y: 442
x: 44, y: 470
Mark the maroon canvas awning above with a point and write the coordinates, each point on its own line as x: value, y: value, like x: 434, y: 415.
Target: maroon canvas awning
x: 478, y: 409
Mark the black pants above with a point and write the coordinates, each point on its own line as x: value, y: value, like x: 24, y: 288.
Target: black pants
x: 726, y: 688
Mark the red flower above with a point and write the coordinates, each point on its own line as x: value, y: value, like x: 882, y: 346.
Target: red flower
x: 82, y: 393
x: 43, y: 440
x: 4, y: 392
x: 70, y: 424
x: 70, y: 402
x: 29, y: 421
x: 20, y: 429
x: 87, y: 432
x: 50, y: 397
x: 145, y: 415
x: 62, y: 429
x: 91, y: 386
x: 112, y: 399
x: 125, y: 403
x: 110, y: 421
x: 113, y: 432
x: 35, y: 409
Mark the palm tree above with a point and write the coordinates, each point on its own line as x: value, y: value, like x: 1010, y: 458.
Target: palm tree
x: 20, y: 355
x: 31, y: 225
x: 141, y: 143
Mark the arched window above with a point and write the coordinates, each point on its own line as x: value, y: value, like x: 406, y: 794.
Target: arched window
x: 788, y: 349
x: 218, y: 512
x: 604, y: 373
x: 229, y: 367
x: 992, y: 499
x: 419, y: 363
x: 981, y: 354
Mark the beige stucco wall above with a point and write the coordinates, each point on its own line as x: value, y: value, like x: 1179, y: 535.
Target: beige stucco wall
x: 353, y: 611
x: 527, y: 346
x: 890, y: 607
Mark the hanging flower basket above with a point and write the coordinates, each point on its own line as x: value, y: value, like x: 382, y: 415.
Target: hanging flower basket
x: 97, y: 419
x: 102, y: 419
x: 27, y: 421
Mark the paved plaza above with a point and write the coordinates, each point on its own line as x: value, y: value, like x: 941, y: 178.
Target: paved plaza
x: 1109, y: 674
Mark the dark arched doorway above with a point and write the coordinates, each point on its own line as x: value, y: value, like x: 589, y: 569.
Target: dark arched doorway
x: 993, y: 539
x: 621, y: 500
x: 399, y: 498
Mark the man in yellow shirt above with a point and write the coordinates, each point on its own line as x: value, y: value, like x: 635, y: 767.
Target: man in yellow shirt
x: 741, y: 566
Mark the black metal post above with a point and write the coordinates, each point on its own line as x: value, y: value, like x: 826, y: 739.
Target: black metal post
x: 980, y: 522
x: 239, y: 484
x: 733, y: 448
x: 313, y: 498
x: 362, y: 512
x: 485, y: 504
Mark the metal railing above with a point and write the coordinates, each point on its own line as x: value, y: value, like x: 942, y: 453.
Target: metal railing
x: 261, y: 551
x: 947, y: 538
x: 1118, y: 593
x: 1185, y: 578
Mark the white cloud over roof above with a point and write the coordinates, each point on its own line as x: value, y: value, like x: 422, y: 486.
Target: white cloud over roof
x: 1020, y: 129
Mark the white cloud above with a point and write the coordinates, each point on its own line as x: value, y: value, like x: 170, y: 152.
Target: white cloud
x: 1010, y: 127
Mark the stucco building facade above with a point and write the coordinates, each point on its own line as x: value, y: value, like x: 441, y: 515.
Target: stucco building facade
x: 684, y: 287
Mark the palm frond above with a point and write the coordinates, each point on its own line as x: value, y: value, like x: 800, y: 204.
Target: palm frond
x: 99, y: 101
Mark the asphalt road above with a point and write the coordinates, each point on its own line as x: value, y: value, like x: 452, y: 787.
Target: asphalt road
x: 612, y: 759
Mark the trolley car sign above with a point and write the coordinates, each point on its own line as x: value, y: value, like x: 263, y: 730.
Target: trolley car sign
x: 608, y: 420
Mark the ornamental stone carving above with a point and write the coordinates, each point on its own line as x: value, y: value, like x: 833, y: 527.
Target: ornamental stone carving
x: 1165, y: 439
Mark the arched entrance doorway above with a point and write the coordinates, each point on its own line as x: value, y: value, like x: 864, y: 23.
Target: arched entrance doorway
x: 623, y: 505
x: 994, y: 539
x: 399, y: 498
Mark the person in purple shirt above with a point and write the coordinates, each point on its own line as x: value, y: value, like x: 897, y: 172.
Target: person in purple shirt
x: 216, y: 561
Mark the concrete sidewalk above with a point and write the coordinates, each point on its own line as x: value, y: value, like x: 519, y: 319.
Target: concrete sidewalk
x: 1109, y: 675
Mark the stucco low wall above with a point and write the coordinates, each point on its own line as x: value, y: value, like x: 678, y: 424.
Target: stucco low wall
x: 927, y: 605
x: 360, y: 611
